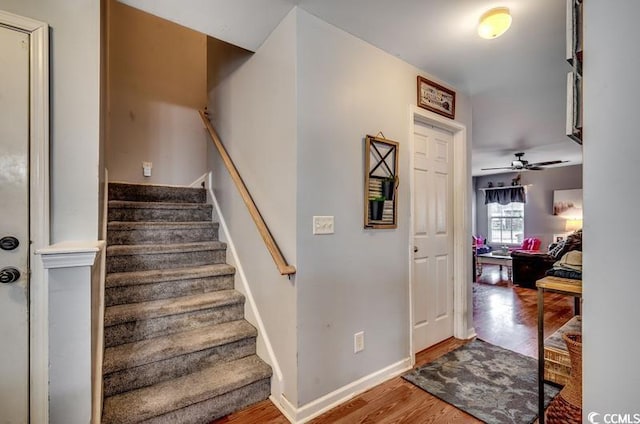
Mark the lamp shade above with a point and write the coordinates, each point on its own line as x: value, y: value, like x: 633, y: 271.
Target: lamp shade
x: 573, y: 224
x: 494, y: 23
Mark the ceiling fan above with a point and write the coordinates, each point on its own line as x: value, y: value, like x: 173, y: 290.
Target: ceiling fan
x: 523, y: 165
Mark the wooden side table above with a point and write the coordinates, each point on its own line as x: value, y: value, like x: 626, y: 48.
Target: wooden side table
x: 554, y: 285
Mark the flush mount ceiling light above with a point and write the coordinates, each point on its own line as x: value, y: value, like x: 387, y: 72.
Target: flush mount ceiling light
x: 494, y: 23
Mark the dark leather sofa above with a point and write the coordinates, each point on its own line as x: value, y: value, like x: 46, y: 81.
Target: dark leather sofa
x: 529, y: 267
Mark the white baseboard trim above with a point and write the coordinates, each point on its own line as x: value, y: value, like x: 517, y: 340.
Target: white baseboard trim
x: 200, y: 181
x: 329, y: 401
x: 285, y: 407
x: 471, y: 333
x: 277, y: 383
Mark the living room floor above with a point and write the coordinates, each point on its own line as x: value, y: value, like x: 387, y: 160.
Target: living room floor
x: 504, y: 314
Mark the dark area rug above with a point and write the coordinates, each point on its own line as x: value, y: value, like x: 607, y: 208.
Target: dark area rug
x: 493, y: 384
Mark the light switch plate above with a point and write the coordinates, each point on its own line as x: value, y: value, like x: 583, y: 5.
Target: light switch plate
x: 146, y: 168
x: 323, y: 225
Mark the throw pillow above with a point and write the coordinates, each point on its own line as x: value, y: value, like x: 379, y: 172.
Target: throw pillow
x: 557, y: 249
x: 571, y: 260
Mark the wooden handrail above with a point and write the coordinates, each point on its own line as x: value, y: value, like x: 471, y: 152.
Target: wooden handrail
x: 269, y: 241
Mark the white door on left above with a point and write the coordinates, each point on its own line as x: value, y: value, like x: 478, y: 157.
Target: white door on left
x: 14, y: 225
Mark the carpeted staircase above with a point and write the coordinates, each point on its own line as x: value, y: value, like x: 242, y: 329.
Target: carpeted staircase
x: 177, y: 347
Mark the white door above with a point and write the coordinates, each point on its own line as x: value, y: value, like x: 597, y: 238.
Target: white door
x: 14, y: 222
x: 432, y: 273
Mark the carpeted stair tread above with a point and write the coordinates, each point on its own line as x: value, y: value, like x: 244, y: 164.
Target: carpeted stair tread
x: 154, y: 232
x: 130, y: 204
x: 156, y: 193
x: 119, y: 314
x: 156, y: 349
x: 154, y: 225
x: 133, y: 278
x: 148, y: 402
x: 124, y: 210
x: 147, y: 249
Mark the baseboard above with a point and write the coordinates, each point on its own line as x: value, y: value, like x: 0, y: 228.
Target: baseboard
x: 471, y: 333
x: 277, y: 383
x: 201, y: 182
x: 285, y: 407
x: 329, y: 401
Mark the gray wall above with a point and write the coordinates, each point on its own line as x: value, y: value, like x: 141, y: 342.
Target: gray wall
x: 354, y: 280
x: 611, y: 176
x: 302, y: 155
x: 157, y: 82
x: 538, y: 211
x: 74, y: 111
x: 254, y: 112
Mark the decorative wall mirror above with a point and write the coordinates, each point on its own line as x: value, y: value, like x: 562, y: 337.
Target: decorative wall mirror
x: 380, y: 183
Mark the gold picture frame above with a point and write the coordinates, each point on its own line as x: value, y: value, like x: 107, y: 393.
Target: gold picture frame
x: 436, y: 98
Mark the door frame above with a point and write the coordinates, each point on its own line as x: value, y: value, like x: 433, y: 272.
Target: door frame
x: 38, y: 208
x: 462, y: 288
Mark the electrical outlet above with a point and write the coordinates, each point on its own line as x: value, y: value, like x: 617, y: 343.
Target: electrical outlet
x: 358, y: 342
x: 323, y: 225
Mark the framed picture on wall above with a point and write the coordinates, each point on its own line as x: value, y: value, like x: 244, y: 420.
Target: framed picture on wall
x: 436, y: 98
x: 380, y: 183
x: 574, y: 107
x: 558, y: 237
x: 568, y: 203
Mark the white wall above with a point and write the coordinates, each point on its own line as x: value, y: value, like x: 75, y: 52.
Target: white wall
x: 356, y: 279
x: 611, y: 175
x: 157, y: 82
x: 538, y: 211
x: 75, y: 111
x: 254, y: 111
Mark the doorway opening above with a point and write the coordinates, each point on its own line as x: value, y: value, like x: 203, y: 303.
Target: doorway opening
x: 447, y: 140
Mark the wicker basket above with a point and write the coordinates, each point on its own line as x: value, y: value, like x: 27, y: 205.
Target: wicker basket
x: 557, y: 365
x: 566, y: 408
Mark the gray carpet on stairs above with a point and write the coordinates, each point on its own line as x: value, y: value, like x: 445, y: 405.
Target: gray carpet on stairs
x: 177, y: 347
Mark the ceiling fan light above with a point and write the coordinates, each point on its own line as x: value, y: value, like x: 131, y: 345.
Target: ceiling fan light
x: 494, y: 23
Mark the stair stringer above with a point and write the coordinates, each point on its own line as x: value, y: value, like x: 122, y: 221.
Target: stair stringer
x: 252, y: 313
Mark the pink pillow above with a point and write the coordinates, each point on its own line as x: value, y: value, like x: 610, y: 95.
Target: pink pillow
x: 531, y: 243
x: 479, y: 240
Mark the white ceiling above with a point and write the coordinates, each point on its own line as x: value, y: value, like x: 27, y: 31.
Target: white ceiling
x: 517, y: 83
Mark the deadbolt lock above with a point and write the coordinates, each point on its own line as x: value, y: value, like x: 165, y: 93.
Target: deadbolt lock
x: 9, y: 275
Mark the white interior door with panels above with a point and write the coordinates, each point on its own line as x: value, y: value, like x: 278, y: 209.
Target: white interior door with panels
x: 14, y: 226
x: 24, y: 218
x: 433, y: 242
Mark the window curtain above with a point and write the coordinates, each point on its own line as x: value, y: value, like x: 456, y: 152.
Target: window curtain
x: 504, y: 196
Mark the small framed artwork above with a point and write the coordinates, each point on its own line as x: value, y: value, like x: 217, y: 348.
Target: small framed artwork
x: 380, y: 183
x: 436, y: 98
x: 558, y: 237
x: 574, y: 107
x: 574, y: 33
x: 568, y: 203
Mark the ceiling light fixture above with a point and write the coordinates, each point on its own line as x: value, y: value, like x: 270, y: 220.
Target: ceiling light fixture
x: 494, y: 23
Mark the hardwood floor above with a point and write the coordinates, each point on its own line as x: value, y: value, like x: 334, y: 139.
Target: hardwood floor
x: 504, y: 314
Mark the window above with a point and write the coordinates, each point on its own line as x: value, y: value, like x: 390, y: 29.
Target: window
x: 506, y: 223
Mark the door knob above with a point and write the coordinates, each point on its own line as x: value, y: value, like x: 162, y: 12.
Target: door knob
x: 9, y: 243
x: 9, y: 275
x: 415, y: 249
